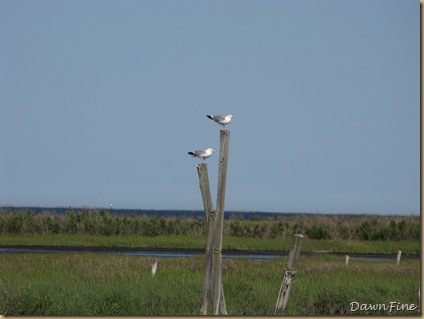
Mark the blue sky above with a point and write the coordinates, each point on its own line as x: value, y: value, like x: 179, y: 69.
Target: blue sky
x: 101, y: 100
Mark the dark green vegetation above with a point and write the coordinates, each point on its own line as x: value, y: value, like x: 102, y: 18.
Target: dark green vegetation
x: 108, y: 284
x: 337, y: 234
x: 319, y: 227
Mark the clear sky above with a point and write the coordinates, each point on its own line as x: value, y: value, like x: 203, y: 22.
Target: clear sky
x: 101, y: 100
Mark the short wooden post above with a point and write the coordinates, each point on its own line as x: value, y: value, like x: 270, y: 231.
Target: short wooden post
x: 289, y: 273
x: 155, y: 267
x: 346, y: 260
x: 399, y: 254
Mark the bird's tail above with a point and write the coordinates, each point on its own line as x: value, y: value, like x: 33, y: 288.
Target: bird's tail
x: 209, y: 116
x: 191, y: 153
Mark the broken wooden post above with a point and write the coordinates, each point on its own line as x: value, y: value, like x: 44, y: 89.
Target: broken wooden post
x: 212, y: 285
x: 289, y: 273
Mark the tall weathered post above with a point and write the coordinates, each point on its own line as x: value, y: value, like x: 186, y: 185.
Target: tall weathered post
x: 202, y: 170
x: 289, y: 273
x: 212, y: 285
x: 217, y: 290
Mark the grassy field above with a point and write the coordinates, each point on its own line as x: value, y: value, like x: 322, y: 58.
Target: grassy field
x: 198, y: 242
x: 109, y: 284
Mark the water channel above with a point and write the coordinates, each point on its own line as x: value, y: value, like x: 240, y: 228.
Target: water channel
x: 180, y: 253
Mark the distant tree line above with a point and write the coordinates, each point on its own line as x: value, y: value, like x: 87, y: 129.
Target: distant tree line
x: 329, y: 227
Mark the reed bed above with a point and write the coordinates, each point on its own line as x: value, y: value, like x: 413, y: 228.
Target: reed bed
x: 317, y: 227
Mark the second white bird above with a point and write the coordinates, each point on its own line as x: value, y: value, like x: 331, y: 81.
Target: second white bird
x: 202, y: 154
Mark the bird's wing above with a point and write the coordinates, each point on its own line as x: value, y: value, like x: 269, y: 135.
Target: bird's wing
x: 200, y: 152
x: 219, y: 118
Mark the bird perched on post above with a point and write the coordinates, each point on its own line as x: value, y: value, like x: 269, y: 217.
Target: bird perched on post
x: 221, y: 119
x: 202, y: 154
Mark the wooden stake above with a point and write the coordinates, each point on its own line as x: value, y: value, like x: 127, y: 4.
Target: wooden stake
x: 202, y: 170
x: 212, y: 284
x: 399, y: 254
x: 289, y: 273
x: 217, y: 290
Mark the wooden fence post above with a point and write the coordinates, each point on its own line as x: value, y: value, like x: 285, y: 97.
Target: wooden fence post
x: 399, y: 254
x: 346, y: 260
x: 212, y: 285
x: 155, y: 267
x: 218, y: 302
x: 202, y: 170
x: 289, y: 273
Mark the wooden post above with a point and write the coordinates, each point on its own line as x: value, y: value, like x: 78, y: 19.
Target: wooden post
x: 212, y: 285
x: 218, y: 307
x: 347, y: 260
x: 155, y: 267
x: 289, y: 273
x: 202, y: 170
x: 399, y: 254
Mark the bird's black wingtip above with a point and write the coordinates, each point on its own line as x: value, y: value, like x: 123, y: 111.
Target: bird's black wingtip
x: 209, y: 116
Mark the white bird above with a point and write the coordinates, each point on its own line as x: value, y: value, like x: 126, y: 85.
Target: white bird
x: 221, y: 119
x: 202, y: 154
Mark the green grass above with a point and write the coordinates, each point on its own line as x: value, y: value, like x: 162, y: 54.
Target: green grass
x: 198, y: 242
x: 86, y: 284
x: 327, y: 286
x: 109, y: 284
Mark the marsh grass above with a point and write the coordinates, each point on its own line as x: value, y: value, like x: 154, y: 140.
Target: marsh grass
x: 109, y: 284
x: 327, y: 286
x: 101, y: 284
x: 314, y: 227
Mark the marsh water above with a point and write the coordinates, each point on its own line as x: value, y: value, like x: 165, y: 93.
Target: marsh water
x: 180, y: 253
